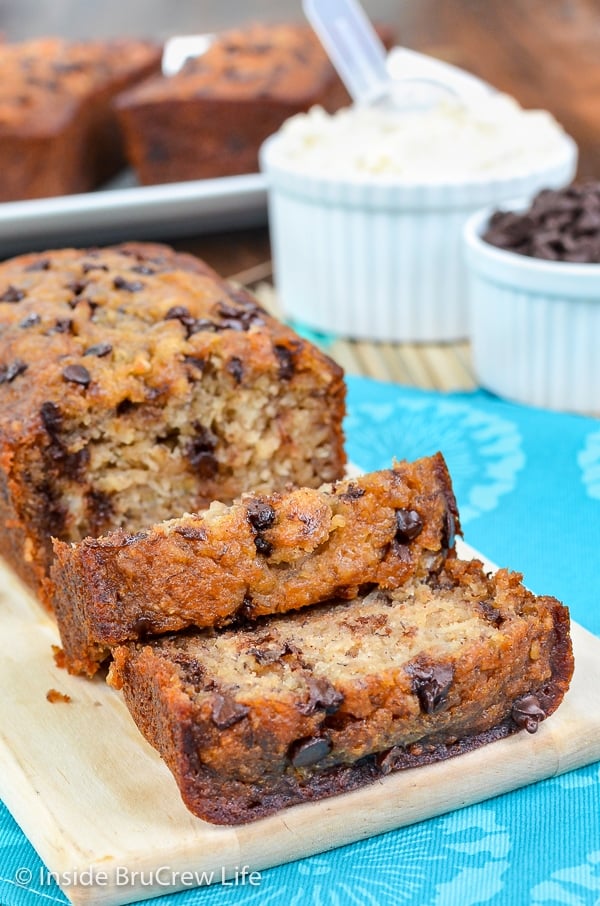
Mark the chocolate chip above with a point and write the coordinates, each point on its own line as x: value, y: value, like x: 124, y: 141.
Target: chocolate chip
x: 225, y: 711
x: 61, y: 325
x: 408, y: 525
x: 239, y: 318
x: 157, y: 152
x: 402, y: 552
x: 77, y: 374
x: 30, y: 321
x: 236, y: 369
x: 182, y: 314
x: 99, y: 509
x: 142, y: 626
x: 88, y: 266
x: 234, y: 144
x: 99, y: 349
x: 321, y: 695
x: 191, y: 671
x: 198, y: 324
x: 9, y: 372
x: 431, y: 685
x: 491, y: 613
x: 125, y: 406
x: 286, y: 362
x: 527, y: 713
x: 261, y: 515
x: 43, y: 264
x: 200, y: 452
x: 54, y: 511
x: 12, y: 294
x: 449, y: 530
x: 130, y: 286
x: 237, y: 75
x: 192, y: 534
x: 73, y: 303
x: 195, y: 362
x: 135, y: 537
x: 270, y: 654
x: 77, y: 286
x: 143, y: 269
x: 352, y: 492
x: 308, y: 751
x: 51, y: 418
x: 263, y: 546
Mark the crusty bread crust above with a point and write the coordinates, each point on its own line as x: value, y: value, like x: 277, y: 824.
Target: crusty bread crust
x: 285, y: 712
x: 265, y: 554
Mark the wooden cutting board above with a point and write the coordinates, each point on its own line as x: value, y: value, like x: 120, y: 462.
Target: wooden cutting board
x: 93, y: 797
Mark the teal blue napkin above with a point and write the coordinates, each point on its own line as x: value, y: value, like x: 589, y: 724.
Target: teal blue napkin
x: 528, y: 487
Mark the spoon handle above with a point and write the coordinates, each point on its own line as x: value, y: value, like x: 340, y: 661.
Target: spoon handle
x: 353, y: 46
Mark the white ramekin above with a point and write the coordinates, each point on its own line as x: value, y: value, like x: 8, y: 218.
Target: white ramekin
x: 377, y: 257
x: 534, y: 324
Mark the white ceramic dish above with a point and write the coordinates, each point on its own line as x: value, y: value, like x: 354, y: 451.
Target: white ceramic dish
x: 378, y: 257
x: 133, y: 212
x: 534, y: 324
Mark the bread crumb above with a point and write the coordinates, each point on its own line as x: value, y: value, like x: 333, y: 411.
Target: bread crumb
x: 59, y: 657
x: 53, y: 696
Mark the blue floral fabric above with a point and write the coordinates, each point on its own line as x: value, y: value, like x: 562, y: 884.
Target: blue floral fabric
x: 528, y: 487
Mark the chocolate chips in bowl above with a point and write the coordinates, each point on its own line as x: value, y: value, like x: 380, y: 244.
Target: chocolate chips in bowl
x: 560, y: 225
x: 534, y: 298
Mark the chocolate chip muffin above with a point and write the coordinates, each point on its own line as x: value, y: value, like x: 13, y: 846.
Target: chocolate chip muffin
x: 211, y: 118
x: 305, y: 705
x: 265, y: 554
x: 136, y: 385
x: 58, y: 131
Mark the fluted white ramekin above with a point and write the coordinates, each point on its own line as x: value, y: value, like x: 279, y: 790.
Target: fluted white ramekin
x: 534, y: 324
x: 380, y: 258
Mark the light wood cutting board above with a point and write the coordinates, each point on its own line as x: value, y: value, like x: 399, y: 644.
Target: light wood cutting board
x: 91, y: 795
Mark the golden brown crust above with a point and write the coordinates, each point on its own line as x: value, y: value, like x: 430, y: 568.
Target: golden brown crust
x: 211, y: 118
x: 309, y: 704
x: 135, y: 384
x: 265, y: 554
x: 58, y: 132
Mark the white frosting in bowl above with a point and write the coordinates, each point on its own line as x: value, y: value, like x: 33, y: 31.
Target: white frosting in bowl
x: 489, y: 137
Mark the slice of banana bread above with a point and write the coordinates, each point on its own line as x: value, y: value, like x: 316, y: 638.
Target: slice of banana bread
x: 58, y: 131
x: 265, y: 554
x: 136, y: 384
x: 305, y: 705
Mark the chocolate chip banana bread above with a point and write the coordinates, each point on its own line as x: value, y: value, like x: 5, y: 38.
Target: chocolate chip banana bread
x: 211, y: 118
x: 265, y: 554
x: 58, y: 131
x: 136, y: 385
x: 301, y: 706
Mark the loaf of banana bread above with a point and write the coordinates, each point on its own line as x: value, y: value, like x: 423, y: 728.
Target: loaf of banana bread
x: 211, y: 117
x: 265, y: 554
x: 303, y: 705
x: 135, y: 385
x: 58, y: 130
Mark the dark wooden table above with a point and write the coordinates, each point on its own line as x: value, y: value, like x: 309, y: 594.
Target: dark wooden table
x: 546, y: 54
